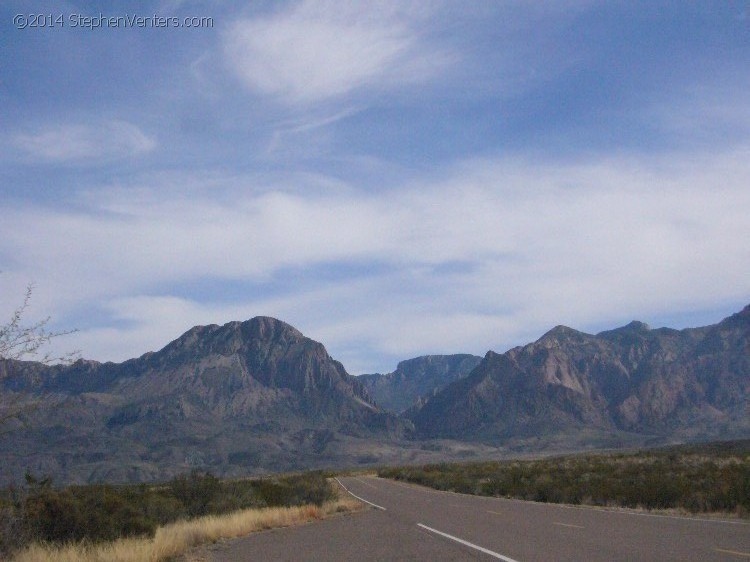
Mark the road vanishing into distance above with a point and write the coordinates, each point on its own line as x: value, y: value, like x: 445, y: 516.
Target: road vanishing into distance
x: 408, y: 522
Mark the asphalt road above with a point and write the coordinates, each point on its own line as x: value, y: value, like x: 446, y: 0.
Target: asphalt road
x: 407, y: 522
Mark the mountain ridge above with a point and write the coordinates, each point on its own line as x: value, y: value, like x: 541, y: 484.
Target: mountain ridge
x: 253, y: 395
x: 630, y: 379
x: 416, y: 379
x: 257, y: 396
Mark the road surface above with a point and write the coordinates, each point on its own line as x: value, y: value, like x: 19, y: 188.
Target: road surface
x: 407, y: 522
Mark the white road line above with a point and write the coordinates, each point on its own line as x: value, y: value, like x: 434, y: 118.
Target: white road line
x: 733, y: 552
x: 626, y: 511
x: 365, y: 483
x: 568, y: 525
x: 356, y: 496
x: 469, y: 544
x: 594, y: 508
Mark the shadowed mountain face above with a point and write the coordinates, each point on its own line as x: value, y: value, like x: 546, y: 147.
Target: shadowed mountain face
x: 417, y: 379
x: 662, y: 383
x: 255, y: 395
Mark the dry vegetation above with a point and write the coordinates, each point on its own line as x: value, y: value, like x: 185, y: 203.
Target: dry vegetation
x: 141, y: 523
x: 177, y: 538
x: 713, y: 478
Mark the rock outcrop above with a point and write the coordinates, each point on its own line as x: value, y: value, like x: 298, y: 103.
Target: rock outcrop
x: 659, y: 383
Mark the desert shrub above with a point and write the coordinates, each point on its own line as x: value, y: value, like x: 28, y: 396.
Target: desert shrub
x: 309, y: 488
x: 157, y: 505
x: 202, y: 493
x: 197, y: 492
x: 96, y: 513
x: 712, y: 478
x: 53, y: 516
x: 11, y: 536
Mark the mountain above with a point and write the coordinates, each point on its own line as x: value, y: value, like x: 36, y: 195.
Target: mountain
x: 625, y: 385
x: 415, y: 380
x: 245, y: 397
x: 254, y: 397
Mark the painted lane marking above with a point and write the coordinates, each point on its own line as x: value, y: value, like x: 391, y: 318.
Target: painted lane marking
x: 625, y: 511
x: 495, y: 512
x: 356, y: 496
x: 594, y: 508
x: 733, y: 552
x: 365, y: 483
x: 469, y: 544
x: 568, y: 525
x: 613, y: 510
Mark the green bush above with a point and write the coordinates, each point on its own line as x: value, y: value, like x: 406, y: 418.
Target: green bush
x: 40, y: 512
x: 95, y: 513
x: 197, y: 492
x: 310, y: 488
x: 713, y: 478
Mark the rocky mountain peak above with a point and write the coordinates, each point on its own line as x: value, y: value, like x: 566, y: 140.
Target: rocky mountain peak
x: 631, y: 332
x: 636, y: 326
x: 561, y: 334
x: 229, y: 339
x: 258, y: 395
x: 267, y: 327
x: 740, y: 319
x: 242, y: 396
x: 633, y: 380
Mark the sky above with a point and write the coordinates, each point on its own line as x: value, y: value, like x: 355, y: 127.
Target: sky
x: 393, y: 179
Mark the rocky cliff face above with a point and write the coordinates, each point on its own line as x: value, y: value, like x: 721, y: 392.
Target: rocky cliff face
x: 658, y: 383
x: 258, y: 396
x: 246, y: 396
x: 254, y: 370
x: 417, y: 379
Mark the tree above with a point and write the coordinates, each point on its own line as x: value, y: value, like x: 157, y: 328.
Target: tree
x: 20, y: 341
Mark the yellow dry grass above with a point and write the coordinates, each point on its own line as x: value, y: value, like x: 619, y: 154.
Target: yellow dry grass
x: 176, y: 539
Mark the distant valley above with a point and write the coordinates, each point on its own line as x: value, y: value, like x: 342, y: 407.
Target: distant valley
x: 414, y: 381
x: 258, y: 396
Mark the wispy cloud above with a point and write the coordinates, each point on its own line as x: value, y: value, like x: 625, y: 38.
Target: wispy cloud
x: 314, y: 51
x: 502, y: 249
x: 391, y: 178
x: 85, y: 144
x: 306, y: 137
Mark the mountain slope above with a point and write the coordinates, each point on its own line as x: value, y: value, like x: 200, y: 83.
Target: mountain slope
x: 660, y: 383
x: 417, y: 379
x: 248, y: 396
x: 258, y: 396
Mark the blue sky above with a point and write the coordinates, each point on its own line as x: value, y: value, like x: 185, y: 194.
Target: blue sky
x: 393, y: 179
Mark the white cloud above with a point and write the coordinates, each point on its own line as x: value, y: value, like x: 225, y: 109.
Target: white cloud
x: 142, y: 324
x: 313, y: 51
x: 492, y: 255
x: 88, y: 144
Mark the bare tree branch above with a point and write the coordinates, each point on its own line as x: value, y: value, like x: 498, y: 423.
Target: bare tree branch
x: 19, y: 341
